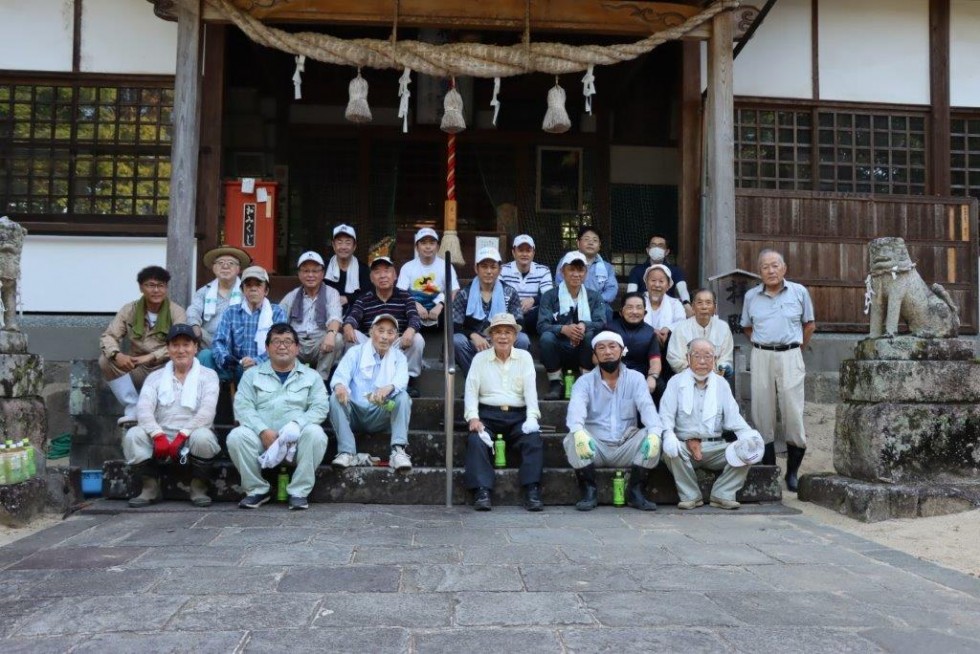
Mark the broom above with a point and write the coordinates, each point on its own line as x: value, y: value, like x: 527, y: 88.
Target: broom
x: 450, y: 240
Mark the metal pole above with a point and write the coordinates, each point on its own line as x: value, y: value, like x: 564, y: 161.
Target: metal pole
x: 449, y: 366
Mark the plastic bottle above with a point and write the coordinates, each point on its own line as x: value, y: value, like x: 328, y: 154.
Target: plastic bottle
x: 29, y: 454
x: 282, y: 484
x: 4, y: 477
x: 569, y: 382
x: 500, y: 452
x: 15, y: 471
x: 619, y: 489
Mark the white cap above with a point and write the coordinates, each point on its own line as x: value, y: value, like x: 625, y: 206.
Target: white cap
x: 381, y: 317
x: 426, y: 231
x: 343, y: 229
x: 574, y: 255
x: 607, y: 336
x: 381, y: 260
x: 488, y: 253
x: 523, y: 239
x: 662, y: 268
x: 309, y: 256
x: 745, y: 451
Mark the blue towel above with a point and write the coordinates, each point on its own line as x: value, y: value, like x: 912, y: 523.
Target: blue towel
x: 474, y: 301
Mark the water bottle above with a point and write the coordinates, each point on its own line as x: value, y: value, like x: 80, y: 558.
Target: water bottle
x: 15, y: 471
x: 31, y: 463
x: 4, y: 477
x: 500, y: 452
x: 282, y: 484
x: 619, y: 489
x: 569, y: 382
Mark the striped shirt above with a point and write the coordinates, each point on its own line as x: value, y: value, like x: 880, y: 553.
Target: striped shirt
x: 534, y: 284
x: 368, y: 306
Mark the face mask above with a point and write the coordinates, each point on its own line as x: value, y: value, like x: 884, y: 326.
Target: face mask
x: 657, y: 254
x: 701, y: 378
x: 609, y: 366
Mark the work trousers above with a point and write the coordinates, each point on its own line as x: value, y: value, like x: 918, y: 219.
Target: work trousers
x: 350, y: 418
x: 479, y: 464
x: 777, y: 380
x: 683, y: 467
x: 310, y: 354
x: 138, y: 444
x: 558, y: 353
x: 626, y: 452
x: 245, y: 446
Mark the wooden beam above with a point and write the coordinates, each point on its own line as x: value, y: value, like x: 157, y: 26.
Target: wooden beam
x: 718, y: 233
x: 210, y: 190
x: 184, y: 152
x: 689, y: 196
x: 939, y: 123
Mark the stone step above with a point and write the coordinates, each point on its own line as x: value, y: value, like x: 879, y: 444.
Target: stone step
x: 379, y: 485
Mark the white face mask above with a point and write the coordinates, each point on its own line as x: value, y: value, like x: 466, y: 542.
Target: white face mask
x: 700, y: 378
x: 657, y: 254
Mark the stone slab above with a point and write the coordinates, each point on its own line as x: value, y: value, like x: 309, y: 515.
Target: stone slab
x: 910, y: 381
x: 874, y: 502
x: 21, y: 375
x: 897, y: 443
x: 24, y: 417
x: 12, y: 342
x: 911, y: 348
x: 20, y: 503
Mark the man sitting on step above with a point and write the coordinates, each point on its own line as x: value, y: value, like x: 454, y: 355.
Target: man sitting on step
x: 175, y: 412
x: 602, y: 424
x: 502, y: 398
x: 697, y: 405
x: 314, y: 312
x: 369, y: 394
x: 279, y: 398
x: 144, y: 323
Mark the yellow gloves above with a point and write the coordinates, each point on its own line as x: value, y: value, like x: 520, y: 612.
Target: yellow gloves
x: 584, y: 446
x: 651, y: 446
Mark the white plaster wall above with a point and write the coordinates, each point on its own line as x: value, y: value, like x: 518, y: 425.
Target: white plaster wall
x: 643, y: 165
x: 103, y: 275
x: 874, y: 50
x: 36, y: 34
x: 776, y: 62
x: 124, y: 36
x: 964, y: 53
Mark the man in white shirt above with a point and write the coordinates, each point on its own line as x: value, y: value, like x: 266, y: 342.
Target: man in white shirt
x: 703, y: 324
x: 502, y: 398
x: 369, y: 394
x: 315, y: 313
x: 695, y: 409
x: 424, y: 277
x: 531, y: 280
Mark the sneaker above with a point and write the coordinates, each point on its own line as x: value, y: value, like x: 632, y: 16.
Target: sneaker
x: 298, y: 503
x: 399, y: 460
x: 687, y: 505
x: 343, y: 460
x: 481, y: 500
x: 254, y: 501
x: 718, y: 503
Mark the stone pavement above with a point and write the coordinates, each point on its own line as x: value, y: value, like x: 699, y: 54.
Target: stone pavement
x: 373, y: 578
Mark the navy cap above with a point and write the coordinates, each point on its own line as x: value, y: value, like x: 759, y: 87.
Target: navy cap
x: 181, y: 329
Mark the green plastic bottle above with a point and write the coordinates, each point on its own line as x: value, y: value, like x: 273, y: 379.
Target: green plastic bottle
x: 619, y: 489
x: 569, y: 382
x: 4, y: 477
x: 31, y: 463
x: 500, y: 452
x: 282, y: 484
x: 15, y: 471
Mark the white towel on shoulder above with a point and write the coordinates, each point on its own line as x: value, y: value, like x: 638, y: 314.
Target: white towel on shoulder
x: 211, y: 298
x: 710, y: 407
x: 353, y: 283
x: 265, y: 322
x: 366, y: 364
x: 188, y: 393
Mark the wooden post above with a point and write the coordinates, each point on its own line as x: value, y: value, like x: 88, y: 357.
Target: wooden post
x: 184, y: 152
x: 939, y: 125
x: 687, y: 248
x: 210, y: 191
x: 718, y: 233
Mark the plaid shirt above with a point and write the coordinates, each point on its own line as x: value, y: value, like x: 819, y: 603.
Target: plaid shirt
x: 465, y: 324
x: 235, y: 335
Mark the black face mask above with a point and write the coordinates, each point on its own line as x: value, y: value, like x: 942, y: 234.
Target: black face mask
x: 609, y: 366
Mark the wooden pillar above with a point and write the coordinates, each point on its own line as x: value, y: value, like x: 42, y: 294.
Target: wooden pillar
x: 184, y: 152
x: 939, y: 124
x: 688, y: 248
x: 210, y: 191
x: 718, y: 233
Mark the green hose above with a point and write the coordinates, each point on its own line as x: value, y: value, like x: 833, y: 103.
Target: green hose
x: 59, y: 447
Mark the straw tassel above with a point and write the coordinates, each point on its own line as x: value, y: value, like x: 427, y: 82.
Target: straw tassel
x: 453, y: 121
x: 298, y: 77
x: 588, y: 88
x: 556, y: 119
x: 358, y: 110
x: 404, y: 94
x: 495, y: 101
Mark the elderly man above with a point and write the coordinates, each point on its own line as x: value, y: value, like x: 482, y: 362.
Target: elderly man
x: 602, y: 428
x: 239, y: 342
x: 424, y: 277
x: 569, y: 317
x: 600, y: 275
x: 213, y: 299
x: 280, y: 403
x: 658, y: 249
x: 695, y: 409
x: 385, y: 298
x: 345, y: 273
x: 486, y: 296
x: 369, y: 395
x: 175, y: 411
x: 144, y: 323
x: 502, y: 398
x: 704, y: 324
x: 530, y: 279
x: 777, y: 316
x: 314, y: 312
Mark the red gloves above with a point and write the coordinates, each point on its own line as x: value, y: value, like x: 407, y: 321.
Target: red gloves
x: 177, y: 445
x: 161, y: 446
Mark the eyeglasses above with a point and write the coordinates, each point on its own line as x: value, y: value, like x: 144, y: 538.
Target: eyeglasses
x: 702, y: 357
x: 282, y: 342
x: 155, y: 286
x: 227, y: 263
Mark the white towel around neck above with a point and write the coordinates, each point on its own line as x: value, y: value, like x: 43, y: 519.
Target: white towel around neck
x: 265, y: 321
x: 710, y: 406
x: 353, y: 283
x: 211, y: 298
x: 188, y: 392
x: 386, y: 372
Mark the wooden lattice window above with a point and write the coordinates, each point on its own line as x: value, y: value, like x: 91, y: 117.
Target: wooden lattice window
x: 872, y: 152
x: 965, y: 156
x: 80, y: 149
x: 773, y: 149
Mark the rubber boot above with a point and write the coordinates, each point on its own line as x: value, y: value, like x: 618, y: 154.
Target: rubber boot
x: 634, y: 492
x: 125, y: 392
x: 769, y: 455
x: 794, y: 457
x: 149, y: 473
x: 556, y: 390
x: 590, y: 494
x: 200, y: 480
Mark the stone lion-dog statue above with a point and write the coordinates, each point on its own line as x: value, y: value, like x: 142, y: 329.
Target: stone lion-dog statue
x: 11, y: 245
x: 895, y: 291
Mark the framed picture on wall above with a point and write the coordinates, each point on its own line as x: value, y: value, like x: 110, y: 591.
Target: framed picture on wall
x: 559, y: 179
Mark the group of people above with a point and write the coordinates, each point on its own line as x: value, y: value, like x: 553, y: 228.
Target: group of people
x: 347, y: 344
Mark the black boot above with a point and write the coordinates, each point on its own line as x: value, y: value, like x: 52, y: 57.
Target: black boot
x: 590, y: 494
x: 634, y: 492
x: 556, y: 390
x: 148, y: 473
x: 532, y: 497
x: 200, y: 480
x: 769, y: 455
x: 794, y: 457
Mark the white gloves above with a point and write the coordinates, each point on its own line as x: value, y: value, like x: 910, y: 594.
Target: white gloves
x: 290, y: 432
x: 485, y: 437
x: 671, y: 445
x: 530, y: 426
